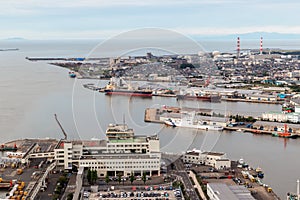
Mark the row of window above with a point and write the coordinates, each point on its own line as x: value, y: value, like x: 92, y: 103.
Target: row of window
x: 126, y: 167
x: 119, y: 162
x: 129, y: 145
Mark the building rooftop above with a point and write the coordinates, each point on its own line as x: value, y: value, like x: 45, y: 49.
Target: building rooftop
x: 278, y: 124
x: 193, y: 153
x: 225, y: 192
x: 213, y: 153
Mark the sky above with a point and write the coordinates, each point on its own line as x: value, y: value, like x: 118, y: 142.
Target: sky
x: 84, y: 19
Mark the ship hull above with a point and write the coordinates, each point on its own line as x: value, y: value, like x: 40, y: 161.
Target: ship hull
x: 284, y: 135
x: 129, y: 93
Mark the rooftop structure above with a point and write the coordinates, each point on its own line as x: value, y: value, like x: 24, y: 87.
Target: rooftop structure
x: 221, y: 191
x: 119, y: 131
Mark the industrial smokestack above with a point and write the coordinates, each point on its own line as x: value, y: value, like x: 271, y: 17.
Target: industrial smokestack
x: 261, y: 46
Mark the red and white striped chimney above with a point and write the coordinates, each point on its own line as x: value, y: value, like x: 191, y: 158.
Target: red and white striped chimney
x: 238, y: 49
x: 261, y: 46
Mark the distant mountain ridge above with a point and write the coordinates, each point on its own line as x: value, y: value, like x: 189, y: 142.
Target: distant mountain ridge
x: 15, y: 38
x: 250, y: 36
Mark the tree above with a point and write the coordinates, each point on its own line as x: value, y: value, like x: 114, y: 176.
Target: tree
x: 70, y: 196
x: 144, y: 177
x: 94, y: 176
x: 106, y: 179
x: 132, y: 178
x: 119, y: 178
x: 89, y: 176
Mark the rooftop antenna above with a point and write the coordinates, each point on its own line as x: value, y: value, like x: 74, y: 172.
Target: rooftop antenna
x: 63, y: 131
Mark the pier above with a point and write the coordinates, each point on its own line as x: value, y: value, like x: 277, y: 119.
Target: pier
x: 155, y: 115
x: 151, y: 115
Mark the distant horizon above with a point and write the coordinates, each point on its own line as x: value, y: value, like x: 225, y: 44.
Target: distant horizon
x: 243, y: 36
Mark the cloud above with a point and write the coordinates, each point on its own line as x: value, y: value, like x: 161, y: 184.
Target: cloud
x: 237, y: 30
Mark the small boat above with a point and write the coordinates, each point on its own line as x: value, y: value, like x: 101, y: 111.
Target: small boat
x: 258, y: 169
x: 284, y: 134
x: 260, y: 175
x: 72, y: 74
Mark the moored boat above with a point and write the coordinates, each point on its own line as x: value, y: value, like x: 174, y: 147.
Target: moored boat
x: 72, y: 74
x: 113, y: 88
x: 284, y: 134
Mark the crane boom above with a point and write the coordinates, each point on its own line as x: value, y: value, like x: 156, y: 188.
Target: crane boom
x: 65, y: 134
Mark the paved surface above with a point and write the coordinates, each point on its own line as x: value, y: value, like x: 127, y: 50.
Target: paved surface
x: 197, y: 185
x: 189, y: 188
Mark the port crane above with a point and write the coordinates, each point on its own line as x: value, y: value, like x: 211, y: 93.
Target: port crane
x: 63, y: 131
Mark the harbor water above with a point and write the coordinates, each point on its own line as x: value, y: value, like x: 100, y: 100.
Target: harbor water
x: 32, y: 92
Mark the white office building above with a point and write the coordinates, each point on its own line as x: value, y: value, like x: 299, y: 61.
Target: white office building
x: 122, y: 153
x: 214, y: 159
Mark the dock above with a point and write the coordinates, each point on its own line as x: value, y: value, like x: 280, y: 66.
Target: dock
x: 151, y: 115
x: 250, y: 130
x: 154, y: 115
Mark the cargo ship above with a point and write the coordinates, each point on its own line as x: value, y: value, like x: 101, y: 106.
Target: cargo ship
x: 113, y: 88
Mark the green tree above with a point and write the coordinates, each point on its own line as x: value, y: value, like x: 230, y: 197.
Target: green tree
x: 89, y: 176
x: 119, y: 178
x: 132, y: 178
x: 94, y: 176
x: 70, y: 196
x: 106, y: 179
x: 144, y: 177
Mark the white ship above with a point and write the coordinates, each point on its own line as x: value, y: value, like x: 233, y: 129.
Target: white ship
x: 189, y: 122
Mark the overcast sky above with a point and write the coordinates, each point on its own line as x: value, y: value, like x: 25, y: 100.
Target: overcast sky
x: 53, y: 19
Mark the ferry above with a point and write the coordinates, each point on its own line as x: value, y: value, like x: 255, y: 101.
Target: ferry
x: 190, y: 123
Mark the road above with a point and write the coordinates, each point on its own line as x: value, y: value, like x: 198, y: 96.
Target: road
x: 189, y: 188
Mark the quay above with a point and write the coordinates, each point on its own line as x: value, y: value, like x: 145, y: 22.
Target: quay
x: 159, y: 115
x: 151, y: 115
